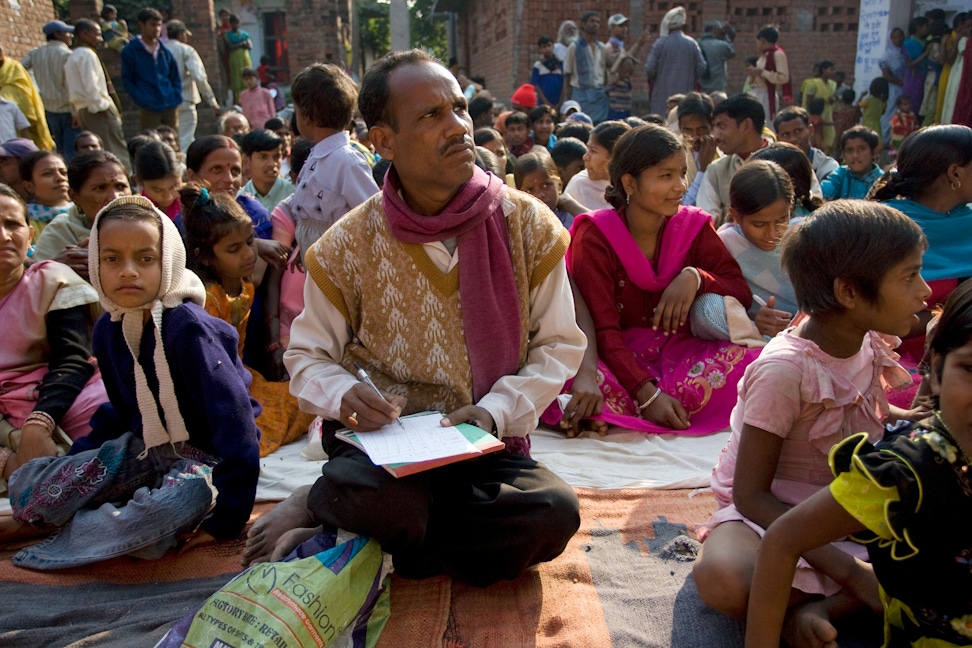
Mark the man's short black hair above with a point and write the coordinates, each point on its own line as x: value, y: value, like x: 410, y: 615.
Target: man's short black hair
x: 85, y: 25
x: 544, y: 40
x: 789, y: 114
x: 260, y: 140
x: 479, y: 106
x: 485, y: 135
x: 587, y: 15
x: 373, y: 101
x: 577, y: 130
x: 325, y: 95
x: 741, y: 107
x: 917, y: 23
x: 769, y: 34
x: 147, y: 14
x: 696, y: 103
x: 518, y: 118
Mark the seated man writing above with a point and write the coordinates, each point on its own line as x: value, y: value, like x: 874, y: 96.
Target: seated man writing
x: 451, y: 290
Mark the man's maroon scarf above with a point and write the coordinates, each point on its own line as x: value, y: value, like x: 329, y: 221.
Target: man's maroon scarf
x: 787, y: 94
x: 487, y: 286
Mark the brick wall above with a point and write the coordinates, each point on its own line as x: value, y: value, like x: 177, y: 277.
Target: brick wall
x: 809, y: 32
x: 20, y: 28
x: 500, y: 36
x: 318, y: 31
x: 200, y: 18
x: 90, y: 9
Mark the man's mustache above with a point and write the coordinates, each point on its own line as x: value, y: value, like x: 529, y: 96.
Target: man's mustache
x: 455, y: 141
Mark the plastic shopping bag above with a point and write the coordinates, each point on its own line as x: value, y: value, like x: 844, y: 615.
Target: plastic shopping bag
x: 331, y: 591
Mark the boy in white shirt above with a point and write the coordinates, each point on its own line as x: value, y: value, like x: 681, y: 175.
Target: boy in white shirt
x: 336, y: 178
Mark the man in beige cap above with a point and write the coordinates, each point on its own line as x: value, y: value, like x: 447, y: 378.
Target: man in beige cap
x: 614, y: 50
x: 195, y: 82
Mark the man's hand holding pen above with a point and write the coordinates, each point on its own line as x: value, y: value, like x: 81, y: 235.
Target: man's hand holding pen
x: 364, y: 410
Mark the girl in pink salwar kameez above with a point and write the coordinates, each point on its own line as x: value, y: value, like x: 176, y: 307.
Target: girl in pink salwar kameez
x: 639, y: 267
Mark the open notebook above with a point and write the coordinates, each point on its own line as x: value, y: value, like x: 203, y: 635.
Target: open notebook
x: 421, y: 443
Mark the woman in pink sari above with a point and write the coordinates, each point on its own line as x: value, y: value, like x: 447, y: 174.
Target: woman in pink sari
x: 47, y: 378
x: 639, y: 267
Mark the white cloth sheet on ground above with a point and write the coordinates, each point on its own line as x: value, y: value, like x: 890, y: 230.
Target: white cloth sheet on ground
x: 620, y: 460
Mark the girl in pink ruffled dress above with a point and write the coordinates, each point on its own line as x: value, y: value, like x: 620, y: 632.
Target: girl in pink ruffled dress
x: 855, y: 267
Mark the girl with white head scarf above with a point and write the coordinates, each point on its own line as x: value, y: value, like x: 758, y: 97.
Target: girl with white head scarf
x: 176, y: 448
x: 178, y: 284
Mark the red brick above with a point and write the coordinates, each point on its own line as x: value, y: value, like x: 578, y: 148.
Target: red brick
x: 20, y: 29
x: 489, y: 46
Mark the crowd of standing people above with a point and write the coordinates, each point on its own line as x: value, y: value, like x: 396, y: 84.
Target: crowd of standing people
x: 766, y: 261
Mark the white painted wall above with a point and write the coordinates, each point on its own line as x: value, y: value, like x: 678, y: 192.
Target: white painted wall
x: 877, y: 19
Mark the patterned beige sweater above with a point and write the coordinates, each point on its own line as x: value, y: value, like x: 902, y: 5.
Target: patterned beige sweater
x: 405, y: 314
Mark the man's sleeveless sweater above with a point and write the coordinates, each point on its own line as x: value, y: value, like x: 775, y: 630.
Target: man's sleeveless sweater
x: 405, y: 314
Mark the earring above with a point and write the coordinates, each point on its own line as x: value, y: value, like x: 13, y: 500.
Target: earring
x: 627, y: 199
x: 956, y: 185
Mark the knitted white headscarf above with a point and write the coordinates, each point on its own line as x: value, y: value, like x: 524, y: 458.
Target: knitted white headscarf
x: 674, y: 19
x: 178, y: 284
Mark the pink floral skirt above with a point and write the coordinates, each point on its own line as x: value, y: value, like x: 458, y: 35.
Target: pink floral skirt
x: 700, y: 374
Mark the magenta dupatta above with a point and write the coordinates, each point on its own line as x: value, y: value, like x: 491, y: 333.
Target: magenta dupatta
x: 680, y: 233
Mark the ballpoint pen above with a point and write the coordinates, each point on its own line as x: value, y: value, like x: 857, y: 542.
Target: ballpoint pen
x: 366, y: 379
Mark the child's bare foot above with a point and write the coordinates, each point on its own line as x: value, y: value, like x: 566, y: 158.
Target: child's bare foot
x: 267, y: 530
x: 291, y: 539
x: 574, y: 428
x: 808, y: 625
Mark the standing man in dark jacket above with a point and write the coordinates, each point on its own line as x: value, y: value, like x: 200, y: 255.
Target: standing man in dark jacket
x: 150, y: 74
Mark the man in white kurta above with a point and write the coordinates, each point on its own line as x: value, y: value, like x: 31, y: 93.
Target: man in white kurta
x: 397, y: 302
x: 91, y: 91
